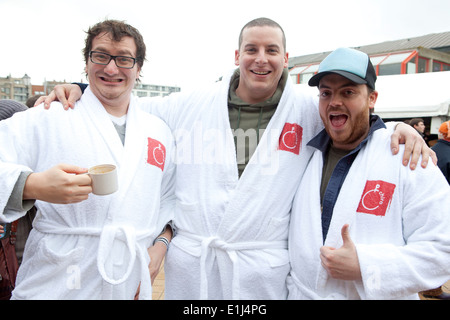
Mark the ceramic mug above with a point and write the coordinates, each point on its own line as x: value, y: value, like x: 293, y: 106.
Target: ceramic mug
x: 104, y: 179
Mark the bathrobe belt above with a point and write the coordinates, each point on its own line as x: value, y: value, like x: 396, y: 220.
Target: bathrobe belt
x: 108, y: 234
x: 207, y: 246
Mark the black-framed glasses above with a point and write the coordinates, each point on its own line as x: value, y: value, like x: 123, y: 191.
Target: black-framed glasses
x: 102, y: 58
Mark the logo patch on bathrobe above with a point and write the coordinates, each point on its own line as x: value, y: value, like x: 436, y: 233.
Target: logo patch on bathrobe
x: 291, y: 138
x: 376, y: 197
x: 156, y: 153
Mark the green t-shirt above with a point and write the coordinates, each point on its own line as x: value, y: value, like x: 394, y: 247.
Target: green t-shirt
x: 248, y: 121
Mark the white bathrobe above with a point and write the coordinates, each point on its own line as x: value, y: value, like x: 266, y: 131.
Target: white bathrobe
x: 399, y: 221
x: 232, y: 232
x: 96, y: 249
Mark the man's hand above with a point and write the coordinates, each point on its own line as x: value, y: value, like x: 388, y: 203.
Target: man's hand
x: 342, y: 263
x: 67, y: 94
x: 414, y: 146
x: 61, y: 184
x: 156, y: 253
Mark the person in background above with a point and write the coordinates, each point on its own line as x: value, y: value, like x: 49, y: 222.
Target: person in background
x: 442, y: 149
x: 9, y: 263
x: 32, y: 100
x: 419, y: 125
x: 363, y: 226
x: 86, y: 246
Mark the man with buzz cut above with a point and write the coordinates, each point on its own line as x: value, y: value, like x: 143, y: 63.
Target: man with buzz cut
x: 363, y: 226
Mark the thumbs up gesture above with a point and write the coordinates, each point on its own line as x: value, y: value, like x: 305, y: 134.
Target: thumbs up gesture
x: 342, y: 263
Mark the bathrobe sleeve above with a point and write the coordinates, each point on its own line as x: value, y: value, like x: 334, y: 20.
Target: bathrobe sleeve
x: 162, y: 107
x: 177, y: 107
x: 167, y: 206
x: 14, y: 134
x: 392, y: 271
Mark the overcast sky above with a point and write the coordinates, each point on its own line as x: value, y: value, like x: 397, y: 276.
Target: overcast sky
x: 192, y: 42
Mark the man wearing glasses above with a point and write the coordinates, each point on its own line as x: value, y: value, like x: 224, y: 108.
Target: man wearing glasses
x: 85, y: 246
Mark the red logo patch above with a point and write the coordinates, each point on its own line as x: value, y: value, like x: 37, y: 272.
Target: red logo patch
x: 376, y: 197
x: 291, y: 138
x: 156, y: 153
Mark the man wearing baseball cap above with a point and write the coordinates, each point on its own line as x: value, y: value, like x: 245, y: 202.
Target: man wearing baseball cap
x: 362, y: 225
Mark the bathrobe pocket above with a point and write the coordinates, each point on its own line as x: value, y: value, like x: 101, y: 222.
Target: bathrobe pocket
x: 45, y: 252
x: 61, y: 273
x: 187, y: 215
x: 276, y: 229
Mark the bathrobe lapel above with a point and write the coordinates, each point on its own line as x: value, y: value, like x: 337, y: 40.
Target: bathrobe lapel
x: 260, y: 174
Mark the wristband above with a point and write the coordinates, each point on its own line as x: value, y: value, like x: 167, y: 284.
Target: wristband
x: 163, y: 240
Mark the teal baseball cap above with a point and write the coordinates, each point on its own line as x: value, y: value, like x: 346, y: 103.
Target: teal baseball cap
x: 349, y: 63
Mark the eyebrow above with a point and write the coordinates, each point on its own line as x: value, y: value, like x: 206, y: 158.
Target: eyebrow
x: 121, y: 52
x: 269, y: 46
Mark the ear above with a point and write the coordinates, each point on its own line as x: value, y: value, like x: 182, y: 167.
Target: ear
x: 373, y: 96
x: 286, y: 60
x: 236, y: 57
x: 138, y: 74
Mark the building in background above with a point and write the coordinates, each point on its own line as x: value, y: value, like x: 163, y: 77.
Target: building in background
x: 18, y: 89
x: 150, y: 90
x: 429, y: 53
x: 21, y: 89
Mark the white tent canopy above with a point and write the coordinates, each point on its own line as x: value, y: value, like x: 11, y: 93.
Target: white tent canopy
x: 413, y: 95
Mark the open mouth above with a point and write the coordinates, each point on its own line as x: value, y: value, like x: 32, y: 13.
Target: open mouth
x: 111, y: 80
x: 338, y: 120
x: 261, y: 73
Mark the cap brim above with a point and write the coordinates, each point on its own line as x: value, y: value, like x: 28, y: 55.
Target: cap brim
x: 315, y: 80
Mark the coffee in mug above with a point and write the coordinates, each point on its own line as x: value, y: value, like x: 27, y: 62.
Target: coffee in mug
x: 104, y: 179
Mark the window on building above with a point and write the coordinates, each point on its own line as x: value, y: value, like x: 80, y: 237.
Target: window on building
x: 302, y: 74
x: 294, y: 73
x: 392, y: 64
x: 141, y: 94
x: 422, y: 65
x: 440, y: 66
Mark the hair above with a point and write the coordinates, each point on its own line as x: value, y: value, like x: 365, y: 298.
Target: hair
x: 116, y: 30
x: 415, y: 121
x: 262, y: 22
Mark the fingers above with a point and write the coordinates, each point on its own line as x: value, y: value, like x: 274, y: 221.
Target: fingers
x: 40, y: 100
x: 415, y: 146
x: 60, y: 92
x: 395, y: 141
x: 138, y: 291
x: 69, y: 168
x: 419, y: 145
x: 345, y: 233
x: 60, y: 184
x: 74, y: 95
x: 433, y: 157
x: 48, y: 99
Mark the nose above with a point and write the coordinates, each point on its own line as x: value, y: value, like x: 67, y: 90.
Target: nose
x: 261, y: 56
x: 111, y: 68
x: 335, y: 101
